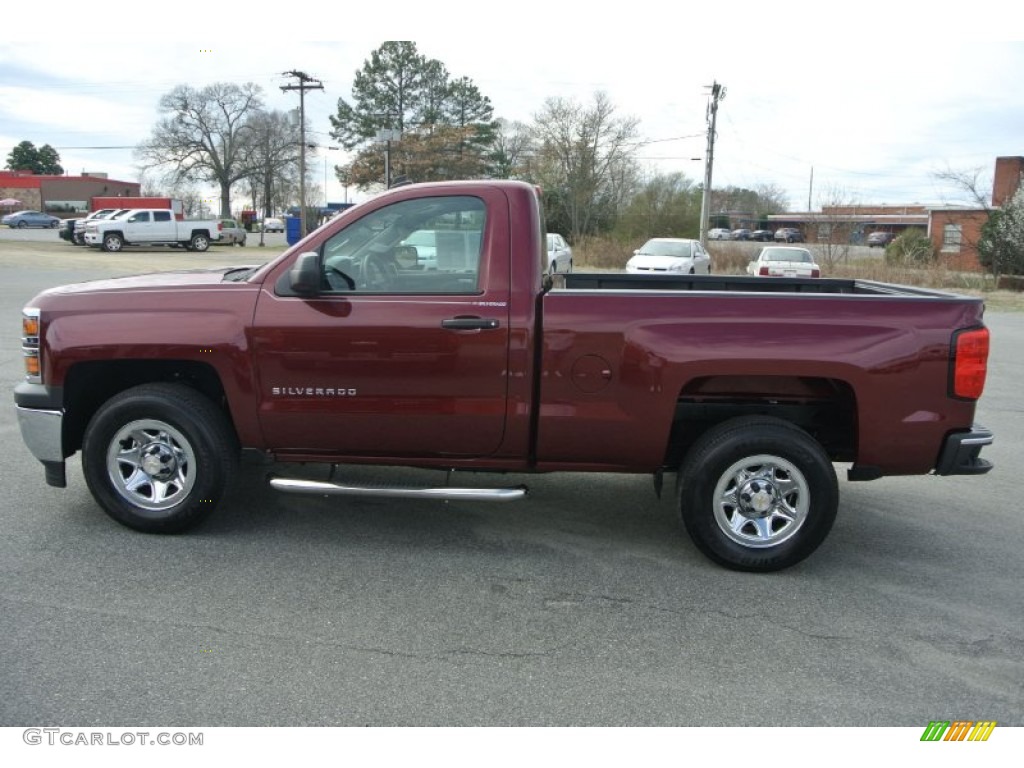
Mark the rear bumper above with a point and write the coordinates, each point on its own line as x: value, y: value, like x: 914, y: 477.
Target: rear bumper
x: 960, y: 454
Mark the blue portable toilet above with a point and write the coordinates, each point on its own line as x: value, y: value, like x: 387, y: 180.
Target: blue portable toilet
x: 292, y: 229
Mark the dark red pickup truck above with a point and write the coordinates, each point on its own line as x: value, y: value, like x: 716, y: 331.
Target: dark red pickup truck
x: 420, y: 329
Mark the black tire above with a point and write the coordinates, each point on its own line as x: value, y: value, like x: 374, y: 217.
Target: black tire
x: 54, y: 224
x: 22, y: 224
x: 199, y: 242
x: 159, y: 457
x: 757, y: 493
x: 113, y: 242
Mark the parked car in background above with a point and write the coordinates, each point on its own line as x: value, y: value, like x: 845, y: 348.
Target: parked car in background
x: 424, y: 242
x: 559, y: 254
x: 78, y: 225
x: 742, y: 234
x: 231, y: 233
x: 880, y: 239
x: 784, y: 261
x: 788, y: 235
x: 273, y: 225
x: 66, y: 230
x: 670, y: 255
x: 720, y: 234
x: 762, y: 235
x: 23, y: 219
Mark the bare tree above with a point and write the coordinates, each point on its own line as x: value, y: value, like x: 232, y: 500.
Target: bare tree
x: 586, y: 161
x: 972, y: 182
x: 511, y: 150
x: 833, y: 226
x: 205, y: 135
x: 272, y: 160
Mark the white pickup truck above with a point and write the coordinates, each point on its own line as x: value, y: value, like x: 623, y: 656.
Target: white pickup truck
x: 151, y: 226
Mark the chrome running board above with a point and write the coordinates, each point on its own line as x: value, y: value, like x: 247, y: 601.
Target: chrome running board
x: 289, y: 485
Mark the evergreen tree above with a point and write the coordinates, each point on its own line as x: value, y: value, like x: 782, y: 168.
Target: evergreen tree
x: 446, y: 126
x: 26, y: 157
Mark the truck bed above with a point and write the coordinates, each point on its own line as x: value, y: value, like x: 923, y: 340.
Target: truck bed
x: 612, y: 281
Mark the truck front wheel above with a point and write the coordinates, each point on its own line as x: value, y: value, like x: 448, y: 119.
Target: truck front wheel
x: 159, y: 457
x: 757, y: 493
x: 113, y: 243
x: 199, y: 243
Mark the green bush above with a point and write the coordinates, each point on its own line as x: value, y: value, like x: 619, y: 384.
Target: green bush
x: 912, y: 248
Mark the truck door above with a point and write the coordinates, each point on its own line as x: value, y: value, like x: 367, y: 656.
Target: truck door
x: 164, y: 227
x: 398, y: 355
x: 138, y: 227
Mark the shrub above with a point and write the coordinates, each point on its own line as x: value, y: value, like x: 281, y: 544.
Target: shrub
x: 912, y: 248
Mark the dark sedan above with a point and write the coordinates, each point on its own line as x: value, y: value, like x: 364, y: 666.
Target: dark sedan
x: 762, y: 235
x: 880, y: 239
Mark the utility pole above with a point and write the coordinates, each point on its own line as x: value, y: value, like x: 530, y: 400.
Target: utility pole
x: 717, y: 94
x: 306, y: 83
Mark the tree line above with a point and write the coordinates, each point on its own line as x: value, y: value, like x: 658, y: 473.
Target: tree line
x: 583, y: 156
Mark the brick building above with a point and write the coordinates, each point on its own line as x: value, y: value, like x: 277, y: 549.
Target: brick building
x: 953, y: 230
x: 63, y: 196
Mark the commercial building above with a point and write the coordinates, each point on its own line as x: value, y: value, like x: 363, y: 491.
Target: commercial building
x: 954, y: 230
x: 63, y: 196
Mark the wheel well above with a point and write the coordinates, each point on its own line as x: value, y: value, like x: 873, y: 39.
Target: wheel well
x: 88, y: 385
x: 825, y: 408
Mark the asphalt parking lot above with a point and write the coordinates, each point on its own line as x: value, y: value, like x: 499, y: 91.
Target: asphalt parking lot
x: 583, y: 605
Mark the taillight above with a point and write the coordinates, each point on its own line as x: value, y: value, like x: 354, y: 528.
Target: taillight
x: 220, y: 226
x: 763, y: 271
x: 30, y: 344
x: 815, y: 273
x: 970, y: 362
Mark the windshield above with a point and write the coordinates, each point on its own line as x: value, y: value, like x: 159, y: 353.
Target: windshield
x: 675, y: 248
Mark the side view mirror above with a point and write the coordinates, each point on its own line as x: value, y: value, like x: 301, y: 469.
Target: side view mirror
x: 304, y: 276
x: 636, y: 252
x: 406, y: 255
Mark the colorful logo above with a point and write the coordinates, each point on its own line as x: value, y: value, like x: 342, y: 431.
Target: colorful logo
x: 958, y: 730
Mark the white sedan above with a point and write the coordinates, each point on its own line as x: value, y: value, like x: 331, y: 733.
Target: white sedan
x: 784, y: 261
x: 559, y: 254
x: 670, y: 255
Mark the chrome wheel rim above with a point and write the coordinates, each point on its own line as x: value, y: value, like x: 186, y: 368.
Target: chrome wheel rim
x: 151, y: 465
x: 761, y: 501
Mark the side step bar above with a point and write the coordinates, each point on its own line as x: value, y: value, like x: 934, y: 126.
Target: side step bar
x: 289, y: 485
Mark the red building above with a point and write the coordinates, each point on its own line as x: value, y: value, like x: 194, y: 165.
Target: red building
x: 63, y: 196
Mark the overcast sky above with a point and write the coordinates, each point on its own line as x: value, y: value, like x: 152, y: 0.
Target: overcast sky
x: 875, y: 116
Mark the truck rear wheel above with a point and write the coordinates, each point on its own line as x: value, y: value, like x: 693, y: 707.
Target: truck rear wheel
x: 199, y: 243
x: 757, y: 493
x: 113, y: 242
x: 159, y: 457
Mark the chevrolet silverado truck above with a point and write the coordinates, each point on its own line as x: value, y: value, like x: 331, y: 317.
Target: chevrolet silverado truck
x: 347, y: 350
x: 151, y: 226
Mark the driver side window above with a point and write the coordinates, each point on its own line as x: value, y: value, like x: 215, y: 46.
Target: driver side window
x: 429, y: 245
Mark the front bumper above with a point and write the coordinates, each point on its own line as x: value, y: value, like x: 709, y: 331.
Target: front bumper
x: 41, y: 420
x: 960, y: 453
